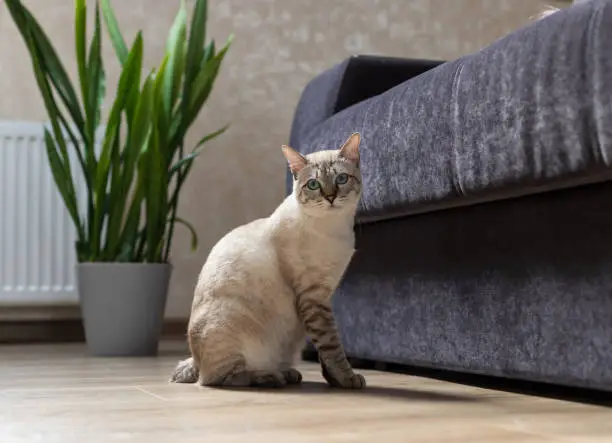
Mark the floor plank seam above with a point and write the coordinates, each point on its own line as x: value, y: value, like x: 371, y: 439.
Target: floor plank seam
x: 143, y: 390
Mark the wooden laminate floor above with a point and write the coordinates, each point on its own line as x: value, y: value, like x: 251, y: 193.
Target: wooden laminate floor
x: 56, y: 393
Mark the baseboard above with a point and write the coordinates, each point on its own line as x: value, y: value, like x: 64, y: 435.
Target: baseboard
x: 39, y: 313
x: 67, y: 330
x: 175, y: 328
x: 41, y: 331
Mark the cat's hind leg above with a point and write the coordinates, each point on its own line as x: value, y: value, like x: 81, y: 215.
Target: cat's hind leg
x: 233, y: 373
x: 221, y: 363
x: 267, y: 379
x: 230, y: 371
x: 236, y: 375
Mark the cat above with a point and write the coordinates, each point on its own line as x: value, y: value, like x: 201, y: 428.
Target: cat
x: 550, y: 10
x: 544, y: 12
x: 268, y: 284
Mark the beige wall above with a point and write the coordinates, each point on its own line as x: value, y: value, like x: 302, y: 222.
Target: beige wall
x: 279, y: 46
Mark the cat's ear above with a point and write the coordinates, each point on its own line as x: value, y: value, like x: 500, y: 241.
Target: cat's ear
x: 350, y: 148
x: 295, y: 160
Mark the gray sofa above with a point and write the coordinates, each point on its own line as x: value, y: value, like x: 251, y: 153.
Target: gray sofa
x: 484, y: 235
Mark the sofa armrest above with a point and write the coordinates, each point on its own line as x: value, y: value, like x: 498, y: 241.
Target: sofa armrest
x: 353, y: 80
x: 529, y: 113
x: 367, y: 76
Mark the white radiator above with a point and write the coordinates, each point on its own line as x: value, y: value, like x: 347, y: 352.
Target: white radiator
x: 37, y: 237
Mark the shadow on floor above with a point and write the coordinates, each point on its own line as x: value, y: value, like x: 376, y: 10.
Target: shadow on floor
x: 389, y: 393
x: 515, y: 386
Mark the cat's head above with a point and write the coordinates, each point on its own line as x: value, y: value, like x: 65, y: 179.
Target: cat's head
x: 327, y: 180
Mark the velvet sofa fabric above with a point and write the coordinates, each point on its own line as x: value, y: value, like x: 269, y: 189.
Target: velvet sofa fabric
x: 528, y: 113
x: 484, y: 240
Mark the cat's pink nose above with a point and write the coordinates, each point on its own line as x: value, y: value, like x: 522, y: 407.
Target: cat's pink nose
x: 330, y: 198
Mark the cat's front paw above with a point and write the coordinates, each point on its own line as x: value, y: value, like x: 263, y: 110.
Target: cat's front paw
x: 351, y: 381
x: 356, y: 381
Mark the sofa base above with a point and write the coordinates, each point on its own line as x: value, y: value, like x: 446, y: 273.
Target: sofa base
x: 518, y: 288
x: 523, y: 387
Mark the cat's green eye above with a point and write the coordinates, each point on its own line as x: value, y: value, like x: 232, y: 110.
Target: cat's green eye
x: 312, y: 184
x: 342, y: 178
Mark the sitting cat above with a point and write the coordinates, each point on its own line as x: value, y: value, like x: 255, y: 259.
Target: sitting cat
x: 268, y: 284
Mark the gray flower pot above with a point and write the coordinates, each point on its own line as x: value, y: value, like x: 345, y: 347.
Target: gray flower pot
x: 123, y: 306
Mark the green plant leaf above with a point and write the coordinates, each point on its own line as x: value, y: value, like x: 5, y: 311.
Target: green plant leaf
x: 45, y: 58
x: 194, y: 235
x: 55, y: 70
x: 141, y: 169
x: 76, y: 143
x: 103, y: 169
x: 128, y: 79
x: 199, y: 92
x: 137, y: 139
x: 209, y: 137
x: 195, y: 53
x: 114, y: 204
x: 48, y: 59
x: 209, y: 52
x: 80, y: 38
x: 35, y: 39
x: 196, y: 88
x: 130, y: 234
x: 196, y: 151
x: 96, y: 80
x: 142, y: 122
x: 203, y: 83
x: 63, y: 181
x: 51, y: 106
x: 160, y: 116
x: 183, y: 167
x: 114, y: 32
x: 88, y: 158
x: 195, y: 45
x: 153, y: 176
x: 155, y: 192
x: 134, y: 92
x: 175, y: 50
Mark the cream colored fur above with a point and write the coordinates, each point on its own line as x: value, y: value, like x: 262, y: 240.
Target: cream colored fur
x: 244, y: 304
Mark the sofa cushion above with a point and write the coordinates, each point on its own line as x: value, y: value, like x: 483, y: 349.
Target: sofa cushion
x: 531, y: 112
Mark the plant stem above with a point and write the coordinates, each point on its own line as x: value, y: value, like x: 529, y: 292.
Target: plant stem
x: 174, y: 206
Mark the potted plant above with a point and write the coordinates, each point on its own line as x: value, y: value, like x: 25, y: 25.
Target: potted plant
x: 134, y: 165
